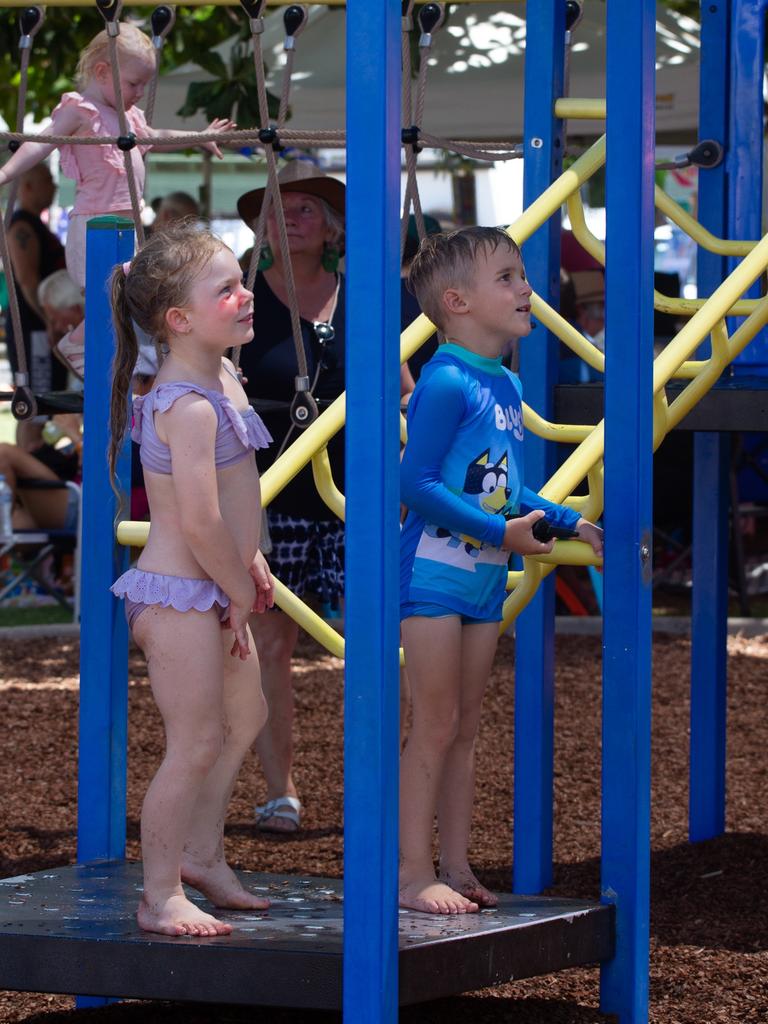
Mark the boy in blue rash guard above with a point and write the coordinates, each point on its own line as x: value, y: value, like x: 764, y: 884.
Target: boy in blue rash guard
x: 468, y: 509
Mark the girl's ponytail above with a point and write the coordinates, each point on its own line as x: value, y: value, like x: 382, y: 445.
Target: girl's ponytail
x: 126, y: 353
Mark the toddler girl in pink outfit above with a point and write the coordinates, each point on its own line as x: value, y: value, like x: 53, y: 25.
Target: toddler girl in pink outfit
x: 101, y: 182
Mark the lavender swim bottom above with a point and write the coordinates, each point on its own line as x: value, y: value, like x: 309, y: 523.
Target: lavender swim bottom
x: 142, y: 589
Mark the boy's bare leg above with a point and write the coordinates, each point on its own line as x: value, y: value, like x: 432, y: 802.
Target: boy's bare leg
x: 184, y: 658
x: 433, y: 655
x: 457, y: 788
x: 203, y: 864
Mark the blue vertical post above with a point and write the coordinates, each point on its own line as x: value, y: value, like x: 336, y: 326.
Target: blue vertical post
x: 103, y: 631
x: 709, y: 625
x: 534, y: 640
x: 626, y: 775
x: 744, y: 157
x: 371, y: 747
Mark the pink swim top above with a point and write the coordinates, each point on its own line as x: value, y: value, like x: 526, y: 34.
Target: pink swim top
x: 99, y: 171
x: 237, y: 433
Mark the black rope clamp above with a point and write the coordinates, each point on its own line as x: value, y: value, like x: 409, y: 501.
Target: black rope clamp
x: 23, y: 403
x: 303, y: 407
x: 410, y: 137
x: 708, y: 153
x: 30, y: 22
x: 110, y: 12
x: 126, y: 142
x: 573, y: 12
x: 269, y: 137
x: 13, y: 145
x: 295, y: 20
x: 430, y: 18
x: 253, y: 9
x: 162, y: 21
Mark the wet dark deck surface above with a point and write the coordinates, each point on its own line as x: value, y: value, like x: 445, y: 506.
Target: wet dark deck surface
x: 73, y: 930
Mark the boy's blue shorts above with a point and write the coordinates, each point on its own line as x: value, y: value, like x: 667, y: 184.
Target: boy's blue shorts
x: 439, y: 611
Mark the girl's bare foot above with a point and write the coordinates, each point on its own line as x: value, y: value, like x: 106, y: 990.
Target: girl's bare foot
x: 433, y: 897
x: 219, y: 884
x: 463, y: 880
x: 177, y: 916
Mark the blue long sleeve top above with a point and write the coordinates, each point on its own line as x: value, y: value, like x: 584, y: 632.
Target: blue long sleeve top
x: 461, y: 479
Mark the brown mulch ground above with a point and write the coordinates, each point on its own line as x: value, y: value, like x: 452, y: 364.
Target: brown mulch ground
x: 709, y: 920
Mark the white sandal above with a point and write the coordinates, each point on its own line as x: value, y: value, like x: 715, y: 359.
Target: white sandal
x: 286, y: 808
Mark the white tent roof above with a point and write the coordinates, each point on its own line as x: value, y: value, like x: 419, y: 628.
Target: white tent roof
x: 475, y: 84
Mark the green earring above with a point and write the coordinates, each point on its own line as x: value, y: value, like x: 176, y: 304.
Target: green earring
x: 266, y: 257
x: 330, y: 258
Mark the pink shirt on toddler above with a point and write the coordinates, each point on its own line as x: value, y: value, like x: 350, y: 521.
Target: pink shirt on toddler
x: 99, y: 171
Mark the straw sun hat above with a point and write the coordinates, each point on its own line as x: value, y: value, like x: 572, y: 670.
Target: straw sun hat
x: 297, y: 176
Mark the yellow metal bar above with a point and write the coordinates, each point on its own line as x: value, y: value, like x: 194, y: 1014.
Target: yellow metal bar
x: 738, y: 341
x: 326, y: 488
x: 309, y: 620
x: 662, y: 303
x: 559, y: 432
x: 697, y: 231
x: 572, y: 109
x: 720, y: 304
x: 568, y: 334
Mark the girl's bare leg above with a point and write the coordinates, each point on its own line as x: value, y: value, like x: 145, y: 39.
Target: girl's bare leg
x: 275, y: 635
x: 184, y: 658
x: 245, y: 711
x: 433, y: 656
x: 457, y: 789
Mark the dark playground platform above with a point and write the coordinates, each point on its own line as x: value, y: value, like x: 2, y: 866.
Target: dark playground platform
x: 733, y: 404
x: 72, y: 930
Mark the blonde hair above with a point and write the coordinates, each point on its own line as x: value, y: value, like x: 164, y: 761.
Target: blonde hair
x: 161, y: 276
x: 130, y: 41
x: 447, y: 260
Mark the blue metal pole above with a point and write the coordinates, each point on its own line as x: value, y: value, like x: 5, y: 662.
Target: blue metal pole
x: 371, y: 747
x: 103, y: 630
x: 744, y: 156
x: 628, y: 507
x: 709, y: 626
x: 534, y: 640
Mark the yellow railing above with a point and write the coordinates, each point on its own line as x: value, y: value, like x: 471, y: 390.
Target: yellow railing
x: 707, y: 318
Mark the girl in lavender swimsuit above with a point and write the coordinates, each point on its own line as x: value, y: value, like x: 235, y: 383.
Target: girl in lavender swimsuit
x: 201, y: 574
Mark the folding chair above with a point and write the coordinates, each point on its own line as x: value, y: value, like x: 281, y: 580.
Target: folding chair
x: 32, y: 547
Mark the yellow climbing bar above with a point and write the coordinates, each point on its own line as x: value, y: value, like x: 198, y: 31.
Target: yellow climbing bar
x: 697, y: 231
x: 662, y: 303
x: 572, y: 109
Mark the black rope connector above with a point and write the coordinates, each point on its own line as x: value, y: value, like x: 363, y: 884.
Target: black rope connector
x: 410, y: 136
x: 252, y: 8
x: 573, y: 13
x: 429, y: 18
x: 269, y: 137
x: 294, y: 20
x: 13, y: 145
x: 162, y: 21
x: 708, y: 153
x: 126, y: 142
x: 30, y: 22
x: 303, y: 408
x: 23, y: 403
x: 110, y: 9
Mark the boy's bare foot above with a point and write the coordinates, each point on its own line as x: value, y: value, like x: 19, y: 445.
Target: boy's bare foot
x: 463, y: 880
x: 177, y: 916
x: 433, y: 897
x: 219, y: 884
